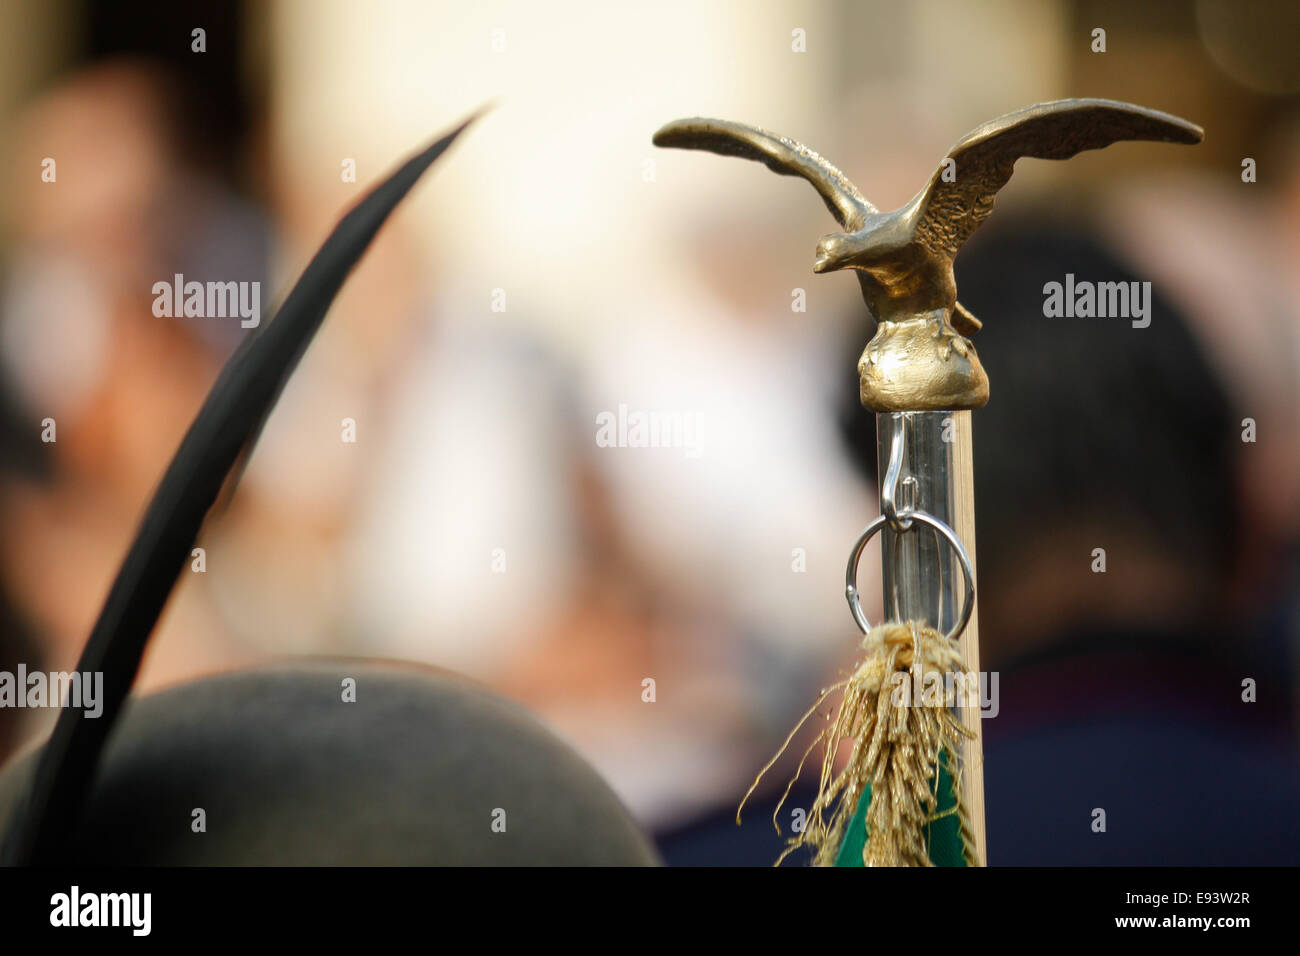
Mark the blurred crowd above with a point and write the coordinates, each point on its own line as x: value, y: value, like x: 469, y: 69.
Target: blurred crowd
x: 672, y: 610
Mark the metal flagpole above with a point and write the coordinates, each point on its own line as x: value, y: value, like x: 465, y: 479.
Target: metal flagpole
x: 922, y: 579
x: 927, y: 537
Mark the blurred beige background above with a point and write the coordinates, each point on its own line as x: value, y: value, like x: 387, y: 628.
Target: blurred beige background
x: 555, y: 266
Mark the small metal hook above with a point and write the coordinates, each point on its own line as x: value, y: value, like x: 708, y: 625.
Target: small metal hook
x: 898, y: 522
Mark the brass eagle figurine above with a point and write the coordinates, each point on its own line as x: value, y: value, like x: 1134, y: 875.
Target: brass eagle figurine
x: 920, y: 358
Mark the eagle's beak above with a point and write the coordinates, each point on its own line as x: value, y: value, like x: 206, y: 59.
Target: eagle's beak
x: 833, y: 252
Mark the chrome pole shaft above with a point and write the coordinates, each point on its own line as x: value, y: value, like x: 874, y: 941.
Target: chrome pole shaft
x: 925, y: 465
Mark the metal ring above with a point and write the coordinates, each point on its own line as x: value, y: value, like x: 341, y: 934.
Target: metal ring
x: 851, y: 575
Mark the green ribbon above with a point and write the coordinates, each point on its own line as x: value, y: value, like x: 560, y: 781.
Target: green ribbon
x: 942, y: 839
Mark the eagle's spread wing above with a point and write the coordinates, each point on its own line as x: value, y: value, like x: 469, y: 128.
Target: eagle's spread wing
x: 777, y: 153
x: 951, y: 211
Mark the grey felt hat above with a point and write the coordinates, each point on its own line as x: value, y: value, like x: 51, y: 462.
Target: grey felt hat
x: 421, y: 768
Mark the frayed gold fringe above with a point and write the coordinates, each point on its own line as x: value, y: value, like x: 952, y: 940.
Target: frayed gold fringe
x: 898, y: 737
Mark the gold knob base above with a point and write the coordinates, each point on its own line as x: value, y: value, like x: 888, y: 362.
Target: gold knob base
x: 921, y: 364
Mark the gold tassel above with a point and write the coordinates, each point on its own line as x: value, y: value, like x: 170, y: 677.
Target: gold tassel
x: 896, y: 708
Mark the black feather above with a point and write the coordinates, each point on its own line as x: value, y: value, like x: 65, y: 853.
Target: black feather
x: 228, y: 423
